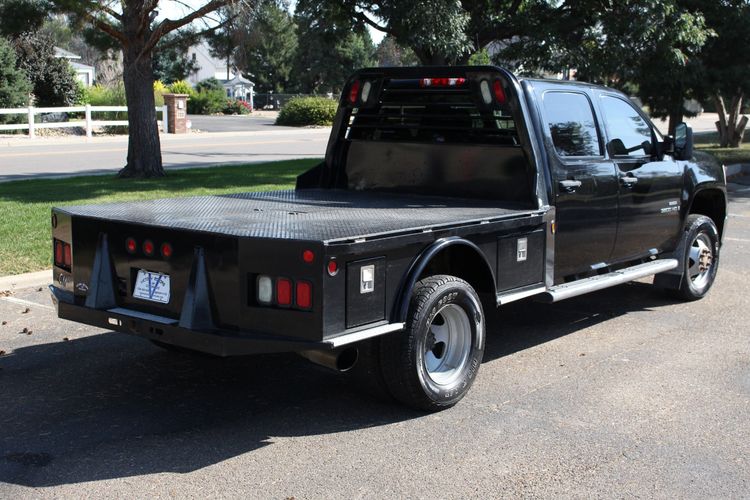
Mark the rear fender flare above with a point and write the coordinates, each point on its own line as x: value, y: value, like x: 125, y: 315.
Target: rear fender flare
x: 419, y: 264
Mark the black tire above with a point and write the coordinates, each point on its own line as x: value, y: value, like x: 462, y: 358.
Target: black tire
x: 701, y: 258
x: 437, y: 378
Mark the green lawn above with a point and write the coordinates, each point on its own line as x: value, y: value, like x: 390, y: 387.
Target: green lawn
x: 25, y: 205
x: 709, y: 142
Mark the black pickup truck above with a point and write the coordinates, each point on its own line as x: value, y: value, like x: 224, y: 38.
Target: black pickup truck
x: 444, y: 192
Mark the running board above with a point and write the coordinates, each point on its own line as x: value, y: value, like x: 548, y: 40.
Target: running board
x: 601, y: 281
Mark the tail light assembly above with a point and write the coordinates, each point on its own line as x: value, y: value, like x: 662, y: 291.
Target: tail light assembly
x: 283, y: 292
x: 148, y: 248
x: 63, y: 253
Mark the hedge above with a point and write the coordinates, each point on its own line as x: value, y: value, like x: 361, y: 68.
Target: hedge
x: 301, y: 111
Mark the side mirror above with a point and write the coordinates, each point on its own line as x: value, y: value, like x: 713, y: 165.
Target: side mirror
x: 683, y: 142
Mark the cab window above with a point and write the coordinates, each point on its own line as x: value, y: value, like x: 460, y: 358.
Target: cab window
x: 571, y: 124
x: 629, y: 134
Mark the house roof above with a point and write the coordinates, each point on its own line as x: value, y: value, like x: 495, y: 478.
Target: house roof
x: 81, y: 66
x: 237, y: 80
x: 65, y: 54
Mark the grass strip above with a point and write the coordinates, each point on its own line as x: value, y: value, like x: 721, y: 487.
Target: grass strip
x: 25, y: 205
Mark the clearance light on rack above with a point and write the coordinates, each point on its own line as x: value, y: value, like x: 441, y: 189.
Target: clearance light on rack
x: 441, y: 82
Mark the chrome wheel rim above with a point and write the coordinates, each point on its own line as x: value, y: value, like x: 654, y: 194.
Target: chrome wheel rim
x: 448, y: 345
x: 700, y: 260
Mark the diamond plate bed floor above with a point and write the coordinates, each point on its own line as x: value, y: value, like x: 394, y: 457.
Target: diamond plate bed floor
x: 315, y: 215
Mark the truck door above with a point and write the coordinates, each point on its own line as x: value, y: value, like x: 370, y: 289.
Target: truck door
x: 649, y: 190
x: 585, y: 183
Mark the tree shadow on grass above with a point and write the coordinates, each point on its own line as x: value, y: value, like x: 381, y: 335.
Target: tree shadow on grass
x: 112, y: 406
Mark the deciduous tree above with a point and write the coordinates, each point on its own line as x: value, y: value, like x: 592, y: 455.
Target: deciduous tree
x: 331, y: 47
x: 133, y: 24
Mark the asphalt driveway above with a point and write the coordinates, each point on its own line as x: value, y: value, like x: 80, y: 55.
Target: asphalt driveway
x: 622, y: 393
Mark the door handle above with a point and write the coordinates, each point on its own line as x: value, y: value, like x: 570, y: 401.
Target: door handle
x: 628, y: 180
x: 570, y: 185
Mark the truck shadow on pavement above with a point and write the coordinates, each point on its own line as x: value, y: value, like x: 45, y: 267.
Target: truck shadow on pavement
x: 112, y: 406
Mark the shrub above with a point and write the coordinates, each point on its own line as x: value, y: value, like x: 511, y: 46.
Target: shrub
x: 236, y: 107
x: 100, y: 95
x: 159, y: 90
x: 181, y: 87
x: 209, y: 84
x: 300, y: 111
x: 14, y: 87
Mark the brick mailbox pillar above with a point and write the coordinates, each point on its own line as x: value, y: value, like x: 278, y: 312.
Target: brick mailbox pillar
x: 176, y: 113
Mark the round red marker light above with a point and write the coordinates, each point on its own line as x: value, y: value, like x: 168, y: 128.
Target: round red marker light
x: 131, y: 245
x: 166, y: 250
x: 148, y: 247
x: 308, y: 256
x: 333, y: 267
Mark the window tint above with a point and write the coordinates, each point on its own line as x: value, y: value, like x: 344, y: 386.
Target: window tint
x: 571, y: 123
x: 629, y: 134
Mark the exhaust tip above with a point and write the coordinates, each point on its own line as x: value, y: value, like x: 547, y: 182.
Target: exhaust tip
x: 346, y: 359
x: 340, y: 360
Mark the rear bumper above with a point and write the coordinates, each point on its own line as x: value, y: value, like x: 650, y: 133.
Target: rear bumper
x: 215, y: 341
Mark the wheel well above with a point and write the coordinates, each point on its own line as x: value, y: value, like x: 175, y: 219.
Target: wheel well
x: 711, y: 203
x: 463, y: 262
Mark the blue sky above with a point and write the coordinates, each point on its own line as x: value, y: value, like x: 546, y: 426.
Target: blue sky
x: 175, y: 9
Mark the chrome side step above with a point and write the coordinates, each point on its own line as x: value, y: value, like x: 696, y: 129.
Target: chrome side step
x: 599, y: 282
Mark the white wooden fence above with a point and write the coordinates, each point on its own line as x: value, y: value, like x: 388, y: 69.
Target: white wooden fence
x: 88, y: 123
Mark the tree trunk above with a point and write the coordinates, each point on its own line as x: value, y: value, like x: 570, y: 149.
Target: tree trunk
x: 737, y: 126
x: 675, y: 118
x: 731, y: 124
x: 721, y: 125
x: 144, y: 148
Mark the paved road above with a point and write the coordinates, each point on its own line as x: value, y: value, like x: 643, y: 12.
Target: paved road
x: 22, y: 158
x: 233, y: 123
x: 618, y: 394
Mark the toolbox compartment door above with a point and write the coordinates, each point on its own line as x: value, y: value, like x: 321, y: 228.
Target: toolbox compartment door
x: 365, y: 291
x: 520, y: 260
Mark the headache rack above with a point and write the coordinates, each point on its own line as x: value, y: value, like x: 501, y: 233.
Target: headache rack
x: 468, y: 107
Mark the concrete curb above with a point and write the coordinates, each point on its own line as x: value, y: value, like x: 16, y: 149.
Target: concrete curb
x: 28, y: 280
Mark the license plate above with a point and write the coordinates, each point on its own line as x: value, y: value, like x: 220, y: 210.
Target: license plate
x: 152, y: 286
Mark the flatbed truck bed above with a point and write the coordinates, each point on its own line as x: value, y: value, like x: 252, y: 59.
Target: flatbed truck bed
x: 323, y: 215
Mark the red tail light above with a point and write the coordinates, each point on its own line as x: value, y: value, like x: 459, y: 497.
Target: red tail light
x: 131, y: 245
x: 148, y: 247
x: 166, y: 250
x: 333, y: 267
x: 58, y: 252
x: 63, y: 254
x: 67, y: 255
x: 283, y: 292
x: 304, y: 294
x: 354, y: 92
x: 308, y: 256
x: 497, y: 88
